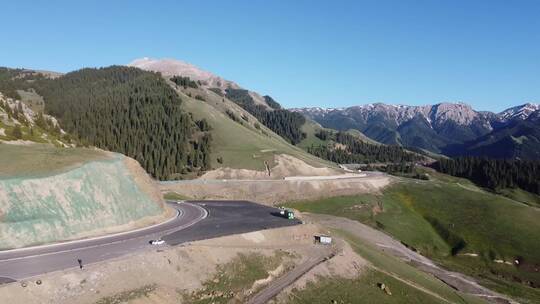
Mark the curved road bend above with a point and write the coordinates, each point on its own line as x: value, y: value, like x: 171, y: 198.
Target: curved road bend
x: 22, y: 263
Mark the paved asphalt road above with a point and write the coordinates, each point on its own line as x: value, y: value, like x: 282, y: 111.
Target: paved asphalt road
x: 196, y: 220
x: 230, y: 217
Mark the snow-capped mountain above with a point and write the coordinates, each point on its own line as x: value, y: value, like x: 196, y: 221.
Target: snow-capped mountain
x: 522, y: 112
x: 436, y: 127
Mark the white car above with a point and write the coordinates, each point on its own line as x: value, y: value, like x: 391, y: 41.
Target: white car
x: 157, y: 242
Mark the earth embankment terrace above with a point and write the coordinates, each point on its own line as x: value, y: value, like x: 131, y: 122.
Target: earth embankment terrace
x: 64, y: 194
x: 272, y: 192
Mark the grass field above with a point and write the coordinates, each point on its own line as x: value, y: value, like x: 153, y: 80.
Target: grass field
x: 173, y: 196
x: 447, y: 217
x: 40, y: 159
x: 525, y: 197
x: 361, y: 290
x: 240, y: 144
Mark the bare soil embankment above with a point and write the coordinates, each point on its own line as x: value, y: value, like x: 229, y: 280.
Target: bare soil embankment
x: 291, y: 179
x: 278, y: 191
x: 286, y: 165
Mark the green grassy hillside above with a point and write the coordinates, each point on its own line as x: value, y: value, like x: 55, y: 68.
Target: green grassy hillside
x: 406, y: 283
x: 243, y: 143
x: 449, y: 220
x: 522, y: 196
x: 310, y: 128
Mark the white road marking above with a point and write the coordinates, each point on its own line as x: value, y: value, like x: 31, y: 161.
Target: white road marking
x: 201, y: 217
x: 178, y: 214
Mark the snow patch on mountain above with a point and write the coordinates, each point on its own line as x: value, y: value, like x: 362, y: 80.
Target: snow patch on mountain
x: 460, y: 113
x: 521, y: 112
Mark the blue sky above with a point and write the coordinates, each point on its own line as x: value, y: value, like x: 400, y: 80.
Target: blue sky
x: 303, y: 53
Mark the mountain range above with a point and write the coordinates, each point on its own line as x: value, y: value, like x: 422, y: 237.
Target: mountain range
x: 448, y: 128
x: 226, y: 121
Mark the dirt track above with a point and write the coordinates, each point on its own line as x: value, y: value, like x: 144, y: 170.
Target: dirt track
x: 277, y: 191
x: 290, y: 277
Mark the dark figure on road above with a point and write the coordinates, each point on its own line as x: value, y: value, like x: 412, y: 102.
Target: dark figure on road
x: 80, y: 263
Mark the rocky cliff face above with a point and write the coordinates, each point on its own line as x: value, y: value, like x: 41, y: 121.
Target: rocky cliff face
x: 15, y: 114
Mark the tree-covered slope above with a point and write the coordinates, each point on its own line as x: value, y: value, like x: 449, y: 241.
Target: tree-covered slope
x: 345, y: 148
x: 130, y: 111
x: 496, y: 174
x: 247, y: 128
x: 518, y: 139
x: 285, y: 123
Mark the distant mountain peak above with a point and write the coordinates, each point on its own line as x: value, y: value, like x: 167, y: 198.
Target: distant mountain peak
x: 174, y: 67
x: 459, y: 112
x: 521, y: 112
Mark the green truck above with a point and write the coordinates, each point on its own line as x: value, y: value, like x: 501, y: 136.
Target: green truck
x: 286, y: 213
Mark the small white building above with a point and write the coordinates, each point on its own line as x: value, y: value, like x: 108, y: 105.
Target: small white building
x: 323, y: 239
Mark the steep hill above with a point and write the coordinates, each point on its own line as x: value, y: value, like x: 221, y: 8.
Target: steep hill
x: 265, y: 109
x: 240, y: 139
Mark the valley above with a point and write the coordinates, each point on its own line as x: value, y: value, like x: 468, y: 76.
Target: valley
x: 166, y: 179
x: 447, y: 128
